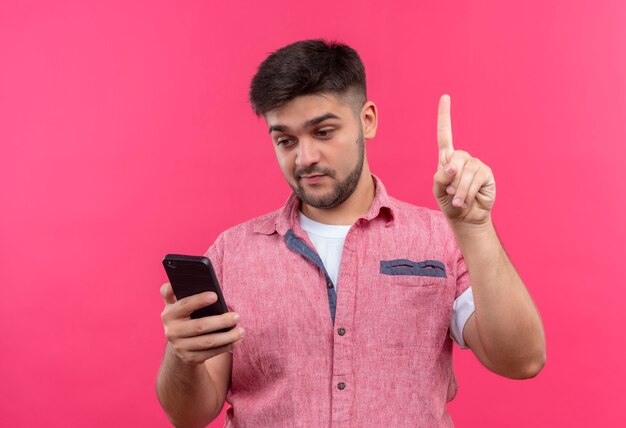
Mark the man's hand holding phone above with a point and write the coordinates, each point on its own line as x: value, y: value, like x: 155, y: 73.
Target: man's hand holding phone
x: 196, y: 340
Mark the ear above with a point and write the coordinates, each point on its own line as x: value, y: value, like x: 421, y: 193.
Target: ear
x: 369, y: 119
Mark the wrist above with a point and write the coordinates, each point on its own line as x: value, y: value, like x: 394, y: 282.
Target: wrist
x: 479, y: 243
x: 174, y: 359
x: 472, y: 230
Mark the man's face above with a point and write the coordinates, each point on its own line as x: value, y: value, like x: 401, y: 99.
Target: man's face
x: 320, y: 148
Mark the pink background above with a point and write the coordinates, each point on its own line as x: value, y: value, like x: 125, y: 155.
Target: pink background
x: 126, y: 134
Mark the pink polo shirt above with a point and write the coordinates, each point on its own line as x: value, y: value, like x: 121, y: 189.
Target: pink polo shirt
x: 385, y: 359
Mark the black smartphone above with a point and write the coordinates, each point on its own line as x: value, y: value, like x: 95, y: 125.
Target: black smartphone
x: 191, y: 275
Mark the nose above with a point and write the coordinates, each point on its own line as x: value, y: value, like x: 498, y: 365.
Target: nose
x: 307, y: 154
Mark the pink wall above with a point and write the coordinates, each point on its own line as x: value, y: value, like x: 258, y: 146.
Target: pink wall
x: 126, y: 134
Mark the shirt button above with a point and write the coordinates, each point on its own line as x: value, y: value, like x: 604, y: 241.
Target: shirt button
x: 341, y: 385
x: 341, y: 331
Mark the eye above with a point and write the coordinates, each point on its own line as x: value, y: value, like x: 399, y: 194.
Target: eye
x: 284, y: 141
x: 324, y: 133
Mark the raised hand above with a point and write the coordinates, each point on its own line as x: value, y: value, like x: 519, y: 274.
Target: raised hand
x: 463, y: 186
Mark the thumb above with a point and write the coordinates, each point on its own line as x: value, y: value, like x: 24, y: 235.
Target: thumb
x: 168, y: 293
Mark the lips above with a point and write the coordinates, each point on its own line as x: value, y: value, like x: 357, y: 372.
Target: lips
x: 312, y: 179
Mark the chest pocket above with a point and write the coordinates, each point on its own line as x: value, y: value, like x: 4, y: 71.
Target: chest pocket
x: 411, y: 273
x: 418, y: 292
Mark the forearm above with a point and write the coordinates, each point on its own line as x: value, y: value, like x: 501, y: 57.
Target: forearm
x: 186, y: 392
x: 508, y: 325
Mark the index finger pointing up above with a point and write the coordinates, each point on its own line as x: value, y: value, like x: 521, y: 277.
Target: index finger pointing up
x: 444, y: 130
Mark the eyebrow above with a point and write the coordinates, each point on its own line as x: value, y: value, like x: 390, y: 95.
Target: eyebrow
x: 307, y: 124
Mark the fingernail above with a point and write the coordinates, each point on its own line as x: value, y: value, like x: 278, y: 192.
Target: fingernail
x: 212, y: 296
x: 450, y: 190
x: 457, y: 202
x: 236, y: 317
x: 241, y: 332
x: 449, y: 169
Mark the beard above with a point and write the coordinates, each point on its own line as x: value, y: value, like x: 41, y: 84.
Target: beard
x: 340, y: 191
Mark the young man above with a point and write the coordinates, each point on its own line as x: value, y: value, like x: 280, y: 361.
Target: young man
x: 348, y: 297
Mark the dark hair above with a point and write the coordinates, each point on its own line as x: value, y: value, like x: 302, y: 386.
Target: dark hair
x: 307, y: 67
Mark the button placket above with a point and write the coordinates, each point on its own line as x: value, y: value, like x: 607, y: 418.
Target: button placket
x: 343, y: 397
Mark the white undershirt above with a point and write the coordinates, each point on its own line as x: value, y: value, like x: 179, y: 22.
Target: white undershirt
x: 328, y: 241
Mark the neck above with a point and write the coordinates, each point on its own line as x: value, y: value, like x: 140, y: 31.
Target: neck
x: 346, y: 213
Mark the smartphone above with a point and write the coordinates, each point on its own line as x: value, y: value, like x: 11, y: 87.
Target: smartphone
x: 191, y: 275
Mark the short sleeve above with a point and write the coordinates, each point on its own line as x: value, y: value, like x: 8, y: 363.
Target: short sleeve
x: 463, y: 306
x: 462, y: 276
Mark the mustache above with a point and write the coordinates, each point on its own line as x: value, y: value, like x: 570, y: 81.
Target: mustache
x: 314, y: 169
